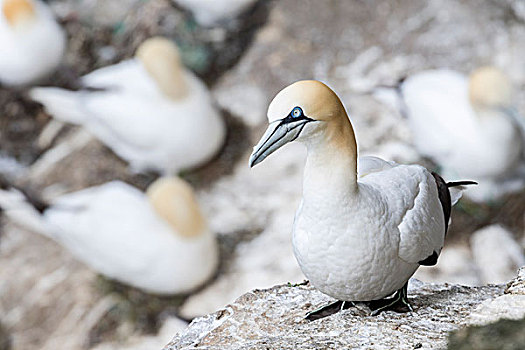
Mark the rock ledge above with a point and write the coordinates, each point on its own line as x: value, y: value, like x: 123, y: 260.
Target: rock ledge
x: 274, y: 319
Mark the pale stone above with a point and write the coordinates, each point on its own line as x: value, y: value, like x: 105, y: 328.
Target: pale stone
x: 496, y: 253
x: 508, y: 306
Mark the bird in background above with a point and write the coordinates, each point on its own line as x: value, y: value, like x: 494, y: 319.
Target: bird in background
x: 156, y: 241
x: 211, y: 13
x: 364, y: 225
x: 469, y: 126
x: 150, y: 110
x: 32, y: 42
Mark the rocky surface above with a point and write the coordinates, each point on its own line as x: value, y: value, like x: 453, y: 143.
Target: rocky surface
x: 274, y: 318
x: 5, y: 339
x: 146, y: 342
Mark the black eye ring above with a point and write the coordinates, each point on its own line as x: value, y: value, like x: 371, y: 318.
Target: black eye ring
x: 297, y: 112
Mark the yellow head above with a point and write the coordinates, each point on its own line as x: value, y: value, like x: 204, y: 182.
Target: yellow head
x: 161, y: 60
x: 18, y: 13
x: 316, y: 100
x: 489, y: 88
x: 174, y: 201
x: 307, y: 111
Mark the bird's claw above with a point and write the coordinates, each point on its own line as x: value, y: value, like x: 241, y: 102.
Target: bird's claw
x: 399, y: 303
x: 329, y: 310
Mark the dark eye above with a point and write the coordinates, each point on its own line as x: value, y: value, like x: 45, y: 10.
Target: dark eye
x: 297, y: 112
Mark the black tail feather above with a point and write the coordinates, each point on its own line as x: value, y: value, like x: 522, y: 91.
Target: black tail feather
x: 460, y: 183
x: 33, y: 199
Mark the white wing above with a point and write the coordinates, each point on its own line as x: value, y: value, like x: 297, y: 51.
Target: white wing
x: 151, y: 131
x: 113, y: 229
x: 369, y: 164
x: 422, y: 228
x: 410, y: 192
x: 137, y: 121
x: 104, y: 226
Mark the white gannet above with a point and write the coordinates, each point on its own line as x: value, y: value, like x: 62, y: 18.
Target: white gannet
x: 359, y: 234
x: 158, y: 241
x: 149, y: 110
x: 470, y: 127
x: 212, y: 12
x: 32, y: 42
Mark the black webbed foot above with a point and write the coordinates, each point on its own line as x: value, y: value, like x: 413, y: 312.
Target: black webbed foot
x: 398, y: 303
x: 329, y: 310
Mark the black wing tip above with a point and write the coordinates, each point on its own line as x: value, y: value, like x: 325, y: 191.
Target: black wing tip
x: 34, y: 200
x: 431, y: 260
x: 461, y: 183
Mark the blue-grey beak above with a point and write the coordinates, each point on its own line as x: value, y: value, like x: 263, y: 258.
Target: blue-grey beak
x: 279, y: 133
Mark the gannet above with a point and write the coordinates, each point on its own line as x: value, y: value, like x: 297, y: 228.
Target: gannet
x: 149, y: 110
x: 359, y: 233
x: 32, y: 42
x: 157, y: 241
x: 212, y: 12
x: 470, y: 127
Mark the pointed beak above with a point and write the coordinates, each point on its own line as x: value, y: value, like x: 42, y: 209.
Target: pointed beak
x: 279, y: 133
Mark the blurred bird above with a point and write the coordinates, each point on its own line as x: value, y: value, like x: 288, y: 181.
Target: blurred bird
x: 212, y: 12
x: 32, y: 42
x: 149, y: 110
x: 360, y: 232
x: 158, y: 241
x: 470, y: 127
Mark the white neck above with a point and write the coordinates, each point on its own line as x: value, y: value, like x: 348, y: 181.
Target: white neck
x: 331, y: 165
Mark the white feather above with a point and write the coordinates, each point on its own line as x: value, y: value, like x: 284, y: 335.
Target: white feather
x: 467, y: 147
x: 32, y: 52
x: 137, y: 121
x: 113, y: 229
x: 456, y: 193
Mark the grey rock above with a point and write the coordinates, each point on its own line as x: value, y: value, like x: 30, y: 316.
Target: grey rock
x: 517, y: 285
x: 506, y: 306
x: 504, y: 334
x: 274, y: 319
x: 5, y: 339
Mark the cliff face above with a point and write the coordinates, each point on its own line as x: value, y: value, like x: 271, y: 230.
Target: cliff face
x: 274, y: 319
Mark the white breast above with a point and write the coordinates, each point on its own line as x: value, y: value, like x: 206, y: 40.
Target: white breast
x: 365, y: 248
